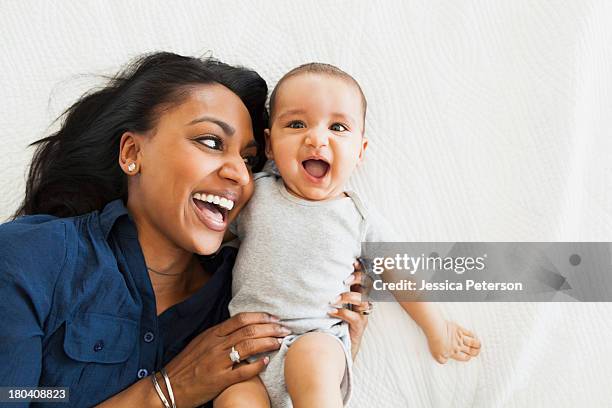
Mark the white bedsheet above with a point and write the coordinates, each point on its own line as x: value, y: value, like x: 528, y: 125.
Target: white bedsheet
x: 488, y: 121
x: 533, y: 355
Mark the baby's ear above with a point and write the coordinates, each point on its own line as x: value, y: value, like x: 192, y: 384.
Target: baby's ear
x: 269, y: 154
x: 364, y: 146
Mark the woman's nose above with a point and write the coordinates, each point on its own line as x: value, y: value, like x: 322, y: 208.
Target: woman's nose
x: 235, y: 170
x: 317, y: 138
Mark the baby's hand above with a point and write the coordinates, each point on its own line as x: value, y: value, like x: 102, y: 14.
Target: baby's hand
x: 453, y: 341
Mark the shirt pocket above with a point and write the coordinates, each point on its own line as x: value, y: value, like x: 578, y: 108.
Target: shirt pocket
x: 99, y: 338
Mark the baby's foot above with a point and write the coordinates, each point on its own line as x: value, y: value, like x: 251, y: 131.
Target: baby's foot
x: 453, y: 341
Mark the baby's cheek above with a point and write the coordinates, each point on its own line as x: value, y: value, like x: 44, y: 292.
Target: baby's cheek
x: 346, y: 167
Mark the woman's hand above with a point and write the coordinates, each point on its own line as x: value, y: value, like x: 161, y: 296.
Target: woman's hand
x: 357, y: 318
x: 204, y: 369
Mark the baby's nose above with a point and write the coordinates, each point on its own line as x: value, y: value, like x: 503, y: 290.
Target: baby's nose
x: 317, y: 138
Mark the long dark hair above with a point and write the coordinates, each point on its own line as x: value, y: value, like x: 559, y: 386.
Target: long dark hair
x: 76, y: 170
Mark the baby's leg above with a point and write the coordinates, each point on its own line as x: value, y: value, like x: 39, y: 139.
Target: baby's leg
x: 246, y: 394
x: 314, y: 368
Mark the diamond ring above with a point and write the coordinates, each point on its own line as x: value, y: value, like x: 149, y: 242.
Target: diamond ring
x: 234, y: 355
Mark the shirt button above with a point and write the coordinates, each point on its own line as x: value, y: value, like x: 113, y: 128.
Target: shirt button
x: 142, y: 373
x: 149, y: 337
x: 98, y: 346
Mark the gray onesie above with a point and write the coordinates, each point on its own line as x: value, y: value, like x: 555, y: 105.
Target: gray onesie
x: 294, y: 256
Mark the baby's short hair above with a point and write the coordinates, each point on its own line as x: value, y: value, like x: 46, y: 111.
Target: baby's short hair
x: 322, y: 69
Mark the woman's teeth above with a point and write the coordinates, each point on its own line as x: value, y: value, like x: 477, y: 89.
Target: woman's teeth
x: 214, y: 199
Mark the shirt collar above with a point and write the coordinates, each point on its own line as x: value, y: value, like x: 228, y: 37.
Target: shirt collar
x: 109, y: 215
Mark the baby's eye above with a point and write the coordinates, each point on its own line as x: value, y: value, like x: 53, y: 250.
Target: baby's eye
x: 296, y: 124
x: 338, y: 127
x: 212, y: 142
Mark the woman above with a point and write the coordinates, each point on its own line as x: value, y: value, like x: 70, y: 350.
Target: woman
x: 110, y: 288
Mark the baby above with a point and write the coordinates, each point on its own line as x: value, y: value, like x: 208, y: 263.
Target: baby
x: 301, y: 233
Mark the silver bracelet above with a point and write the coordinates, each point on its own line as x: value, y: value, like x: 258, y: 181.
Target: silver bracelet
x: 160, y: 393
x: 169, y: 387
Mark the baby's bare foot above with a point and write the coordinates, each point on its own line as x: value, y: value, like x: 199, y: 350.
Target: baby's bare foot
x: 453, y: 341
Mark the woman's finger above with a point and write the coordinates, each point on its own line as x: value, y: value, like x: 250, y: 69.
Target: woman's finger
x: 250, y: 347
x: 364, y: 306
x: 354, y: 319
x: 247, y: 371
x: 243, y: 319
x: 352, y: 298
x: 357, y: 325
x: 256, y: 331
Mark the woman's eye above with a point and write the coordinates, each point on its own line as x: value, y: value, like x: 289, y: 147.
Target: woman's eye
x: 338, y: 127
x: 296, y: 124
x: 211, y: 142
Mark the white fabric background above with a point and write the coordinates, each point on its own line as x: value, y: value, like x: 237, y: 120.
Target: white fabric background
x: 488, y: 121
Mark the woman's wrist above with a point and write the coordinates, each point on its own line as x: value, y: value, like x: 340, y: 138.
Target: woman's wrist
x: 141, y: 393
x: 182, y: 396
x: 153, y: 396
x: 165, y: 395
x: 175, y: 393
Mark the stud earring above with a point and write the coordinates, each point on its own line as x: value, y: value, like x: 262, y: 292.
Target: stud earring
x: 131, y: 167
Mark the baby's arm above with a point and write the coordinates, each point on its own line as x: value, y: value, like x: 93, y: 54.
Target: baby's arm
x: 446, y: 339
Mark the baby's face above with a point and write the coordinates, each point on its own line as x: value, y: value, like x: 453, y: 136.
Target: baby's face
x: 316, y: 136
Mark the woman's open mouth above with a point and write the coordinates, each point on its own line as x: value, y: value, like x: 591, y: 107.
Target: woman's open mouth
x: 316, y: 169
x: 212, y: 210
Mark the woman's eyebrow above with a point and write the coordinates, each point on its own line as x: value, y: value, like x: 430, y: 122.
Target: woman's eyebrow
x: 226, y: 127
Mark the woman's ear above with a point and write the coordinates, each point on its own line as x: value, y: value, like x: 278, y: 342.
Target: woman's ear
x: 129, y: 153
x: 364, y: 146
x: 269, y: 154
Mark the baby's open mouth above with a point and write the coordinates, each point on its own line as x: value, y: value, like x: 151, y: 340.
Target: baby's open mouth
x: 316, y: 168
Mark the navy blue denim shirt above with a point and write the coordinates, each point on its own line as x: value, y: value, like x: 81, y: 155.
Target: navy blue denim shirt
x: 77, y: 308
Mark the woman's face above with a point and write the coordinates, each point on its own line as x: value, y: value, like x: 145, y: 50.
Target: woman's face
x: 198, y: 152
